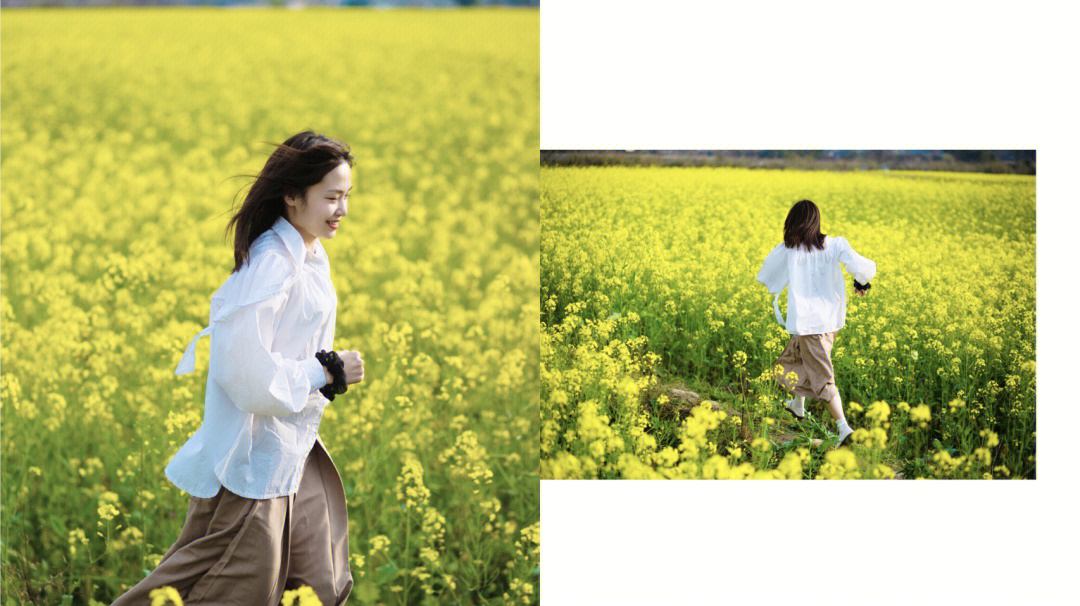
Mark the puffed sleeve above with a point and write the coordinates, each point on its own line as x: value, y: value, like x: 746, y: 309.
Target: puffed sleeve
x: 256, y: 379
x: 774, y: 272
x: 861, y: 268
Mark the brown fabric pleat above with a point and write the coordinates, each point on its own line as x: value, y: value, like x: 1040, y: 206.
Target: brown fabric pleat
x: 809, y: 357
x: 235, y: 550
x: 320, y: 541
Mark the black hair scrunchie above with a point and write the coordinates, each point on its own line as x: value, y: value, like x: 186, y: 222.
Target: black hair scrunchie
x: 861, y: 287
x: 336, y: 366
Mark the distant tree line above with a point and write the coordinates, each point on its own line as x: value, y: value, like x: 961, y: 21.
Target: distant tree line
x: 987, y: 161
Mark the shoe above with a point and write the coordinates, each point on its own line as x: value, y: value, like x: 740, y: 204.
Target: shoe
x: 787, y: 405
x: 844, y: 435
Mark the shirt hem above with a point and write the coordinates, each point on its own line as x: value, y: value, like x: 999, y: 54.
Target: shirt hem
x: 184, y: 486
x: 815, y: 332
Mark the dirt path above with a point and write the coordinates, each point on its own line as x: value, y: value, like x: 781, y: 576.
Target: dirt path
x: 681, y: 401
x: 781, y: 436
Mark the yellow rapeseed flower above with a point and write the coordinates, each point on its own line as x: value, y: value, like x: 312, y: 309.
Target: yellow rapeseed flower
x: 107, y: 511
x: 378, y: 544
x: 302, y: 596
x: 921, y: 414
x: 163, y: 595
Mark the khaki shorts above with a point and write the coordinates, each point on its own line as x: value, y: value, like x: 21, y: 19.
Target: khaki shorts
x: 235, y: 550
x: 809, y: 357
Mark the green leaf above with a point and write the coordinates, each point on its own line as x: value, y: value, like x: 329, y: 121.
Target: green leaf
x: 385, y: 573
x: 58, y: 526
x: 366, y: 591
x: 937, y: 444
x: 66, y: 599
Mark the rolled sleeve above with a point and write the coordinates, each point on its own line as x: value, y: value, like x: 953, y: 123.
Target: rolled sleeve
x: 860, y: 267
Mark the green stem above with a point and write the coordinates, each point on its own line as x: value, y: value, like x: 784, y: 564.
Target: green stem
x: 408, y: 528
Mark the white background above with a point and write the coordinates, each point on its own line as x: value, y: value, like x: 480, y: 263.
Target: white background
x: 830, y: 75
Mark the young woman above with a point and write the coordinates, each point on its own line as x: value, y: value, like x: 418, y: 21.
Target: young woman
x: 808, y: 263
x: 267, y: 508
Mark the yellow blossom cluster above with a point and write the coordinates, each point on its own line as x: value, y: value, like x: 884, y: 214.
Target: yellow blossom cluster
x: 839, y: 464
x: 301, y: 596
x: 468, y: 459
x: 921, y: 415
x: 107, y: 509
x: 167, y: 595
x: 527, y: 549
x: 378, y: 544
x: 77, y: 538
x: 410, y: 484
x: 878, y: 414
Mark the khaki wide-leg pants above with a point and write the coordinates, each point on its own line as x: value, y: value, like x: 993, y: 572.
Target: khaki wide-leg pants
x: 809, y: 357
x: 247, y: 552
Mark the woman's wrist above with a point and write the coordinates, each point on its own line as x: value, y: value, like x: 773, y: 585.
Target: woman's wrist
x: 316, y: 373
x: 335, y: 369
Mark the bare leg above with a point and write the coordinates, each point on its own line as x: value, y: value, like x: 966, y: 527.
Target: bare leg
x: 836, y: 408
x: 843, y: 430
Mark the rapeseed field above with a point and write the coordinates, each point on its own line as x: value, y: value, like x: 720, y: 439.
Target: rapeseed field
x: 659, y: 344
x: 121, y: 131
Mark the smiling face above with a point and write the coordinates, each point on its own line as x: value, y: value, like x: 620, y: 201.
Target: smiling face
x: 319, y: 215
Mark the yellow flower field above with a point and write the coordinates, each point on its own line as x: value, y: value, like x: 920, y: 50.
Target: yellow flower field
x: 121, y: 130
x: 648, y: 287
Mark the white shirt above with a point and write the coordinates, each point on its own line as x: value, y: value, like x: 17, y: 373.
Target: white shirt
x: 263, y: 407
x: 817, y: 300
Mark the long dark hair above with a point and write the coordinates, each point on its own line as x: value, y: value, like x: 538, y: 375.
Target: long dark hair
x: 803, y: 226
x: 293, y: 167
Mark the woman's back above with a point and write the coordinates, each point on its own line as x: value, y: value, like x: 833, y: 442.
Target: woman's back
x: 817, y: 300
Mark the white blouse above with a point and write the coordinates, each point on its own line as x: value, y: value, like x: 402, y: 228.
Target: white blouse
x: 817, y: 299
x: 263, y: 407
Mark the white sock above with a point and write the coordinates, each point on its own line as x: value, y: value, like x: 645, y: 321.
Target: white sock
x: 798, y: 404
x: 842, y: 430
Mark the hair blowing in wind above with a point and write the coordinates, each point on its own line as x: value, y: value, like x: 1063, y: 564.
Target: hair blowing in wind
x: 294, y: 166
